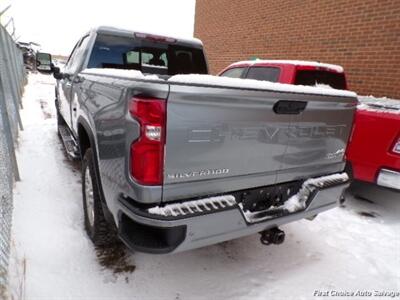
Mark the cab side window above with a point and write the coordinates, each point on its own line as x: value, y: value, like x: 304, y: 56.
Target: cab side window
x: 234, y: 73
x: 78, y: 54
x: 264, y: 73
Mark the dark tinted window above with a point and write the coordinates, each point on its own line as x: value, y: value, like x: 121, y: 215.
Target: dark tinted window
x: 146, y: 55
x: 315, y: 77
x: 234, y: 73
x: 264, y: 73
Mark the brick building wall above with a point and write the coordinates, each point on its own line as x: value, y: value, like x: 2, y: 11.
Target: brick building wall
x: 361, y: 35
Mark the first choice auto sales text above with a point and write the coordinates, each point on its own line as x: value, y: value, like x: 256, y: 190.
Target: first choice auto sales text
x: 358, y: 293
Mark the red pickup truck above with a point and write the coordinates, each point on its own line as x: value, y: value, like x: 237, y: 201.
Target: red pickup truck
x: 374, y: 150
x: 373, y: 153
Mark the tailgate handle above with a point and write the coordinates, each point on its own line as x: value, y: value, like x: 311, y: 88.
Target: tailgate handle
x: 286, y: 107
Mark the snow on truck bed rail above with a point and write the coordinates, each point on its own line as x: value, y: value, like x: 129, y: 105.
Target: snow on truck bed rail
x: 224, y: 81
x: 258, y: 84
x: 380, y: 105
x: 336, y: 68
x: 131, y: 74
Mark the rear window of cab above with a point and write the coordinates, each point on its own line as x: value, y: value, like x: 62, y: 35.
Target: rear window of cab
x: 321, y: 78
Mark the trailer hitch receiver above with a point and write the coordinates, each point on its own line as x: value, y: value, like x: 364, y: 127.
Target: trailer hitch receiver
x: 272, y: 236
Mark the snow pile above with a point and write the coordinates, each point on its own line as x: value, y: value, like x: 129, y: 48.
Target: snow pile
x: 298, y: 202
x: 336, y: 68
x: 380, y: 105
x: 131, y: 74
x: 256, y: 84
x: 206, y: 204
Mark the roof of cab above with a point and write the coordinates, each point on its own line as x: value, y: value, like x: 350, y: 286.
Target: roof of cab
x: 256, y: 62
x: 127, y: 32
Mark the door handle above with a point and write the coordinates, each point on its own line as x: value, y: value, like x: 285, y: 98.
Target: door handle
x: 287, y: 107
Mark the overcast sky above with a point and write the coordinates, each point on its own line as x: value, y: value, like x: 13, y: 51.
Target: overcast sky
x: 57, y: 25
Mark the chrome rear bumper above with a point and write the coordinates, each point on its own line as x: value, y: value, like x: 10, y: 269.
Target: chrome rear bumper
x: 388, y: 178
x: 190, y: 225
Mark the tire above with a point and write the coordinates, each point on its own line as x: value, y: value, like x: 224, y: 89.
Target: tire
x: 97, y: 227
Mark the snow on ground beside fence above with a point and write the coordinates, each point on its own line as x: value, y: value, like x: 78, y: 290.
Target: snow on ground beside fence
x: 350, y: 248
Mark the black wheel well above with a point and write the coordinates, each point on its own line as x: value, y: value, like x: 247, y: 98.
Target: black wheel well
x: 84, y: 140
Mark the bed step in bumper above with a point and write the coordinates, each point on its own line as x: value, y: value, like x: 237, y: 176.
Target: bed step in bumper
x: 297, y: 202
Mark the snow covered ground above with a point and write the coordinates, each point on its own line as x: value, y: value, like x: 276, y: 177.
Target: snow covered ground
x: 356, y: 247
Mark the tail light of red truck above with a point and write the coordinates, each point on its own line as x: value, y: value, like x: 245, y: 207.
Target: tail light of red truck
x: 396, y: 146
x: 147, y: 152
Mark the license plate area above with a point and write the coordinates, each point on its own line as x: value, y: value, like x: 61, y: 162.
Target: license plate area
x: 263, y: 198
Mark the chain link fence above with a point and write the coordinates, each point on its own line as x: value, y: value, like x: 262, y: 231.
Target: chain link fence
x: 12, y: 80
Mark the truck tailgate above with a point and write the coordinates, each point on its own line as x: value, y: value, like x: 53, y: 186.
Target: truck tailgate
x: 226, y: 139
x: 317, y: 138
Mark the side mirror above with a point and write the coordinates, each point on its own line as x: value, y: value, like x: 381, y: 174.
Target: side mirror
x: 43, y: 62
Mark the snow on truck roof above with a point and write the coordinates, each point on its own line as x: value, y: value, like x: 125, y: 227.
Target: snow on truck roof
x: 128, y: 32
x: 216, y: 81
x: 336, y: 68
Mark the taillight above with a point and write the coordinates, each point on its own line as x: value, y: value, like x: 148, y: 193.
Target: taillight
x: 396, y: 146
x: 147, y: 152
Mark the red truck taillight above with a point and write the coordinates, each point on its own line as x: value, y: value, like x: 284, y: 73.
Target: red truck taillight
x: 396, y: 146
x: 147, y: 152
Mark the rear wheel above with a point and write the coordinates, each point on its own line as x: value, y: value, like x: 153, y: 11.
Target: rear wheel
x: 97, y: 227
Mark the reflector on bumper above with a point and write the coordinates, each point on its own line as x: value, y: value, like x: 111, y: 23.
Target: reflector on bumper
x: 389, y: 178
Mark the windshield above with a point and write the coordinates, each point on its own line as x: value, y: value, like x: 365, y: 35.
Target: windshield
x: 148, y: 56
x: 320, y: 78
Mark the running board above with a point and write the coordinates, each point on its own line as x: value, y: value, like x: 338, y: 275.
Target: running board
x: 70, y: 145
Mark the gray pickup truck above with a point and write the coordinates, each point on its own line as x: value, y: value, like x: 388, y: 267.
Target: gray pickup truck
x: 173, y: 161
